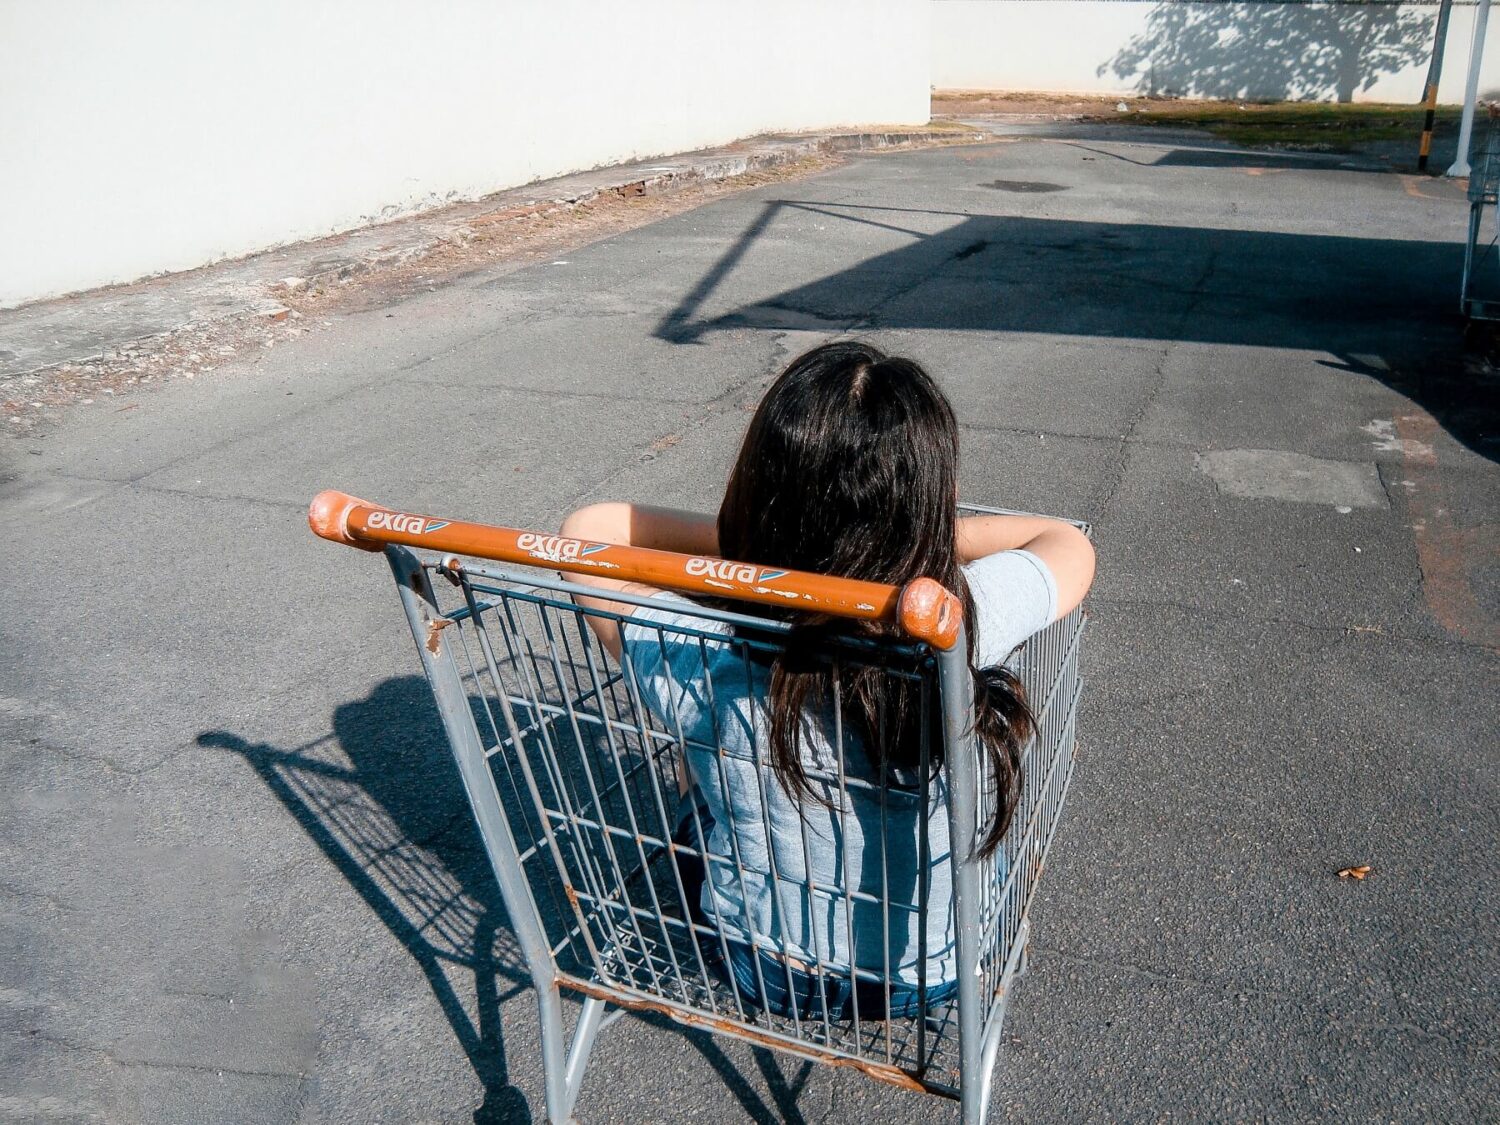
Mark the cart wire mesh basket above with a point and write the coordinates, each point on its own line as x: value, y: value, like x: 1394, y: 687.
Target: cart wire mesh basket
x: 582, y: 787
x: 1479, y: 295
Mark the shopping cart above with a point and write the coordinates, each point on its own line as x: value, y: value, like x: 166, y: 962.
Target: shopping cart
x: 575, y: 788
x: 1479, y: 286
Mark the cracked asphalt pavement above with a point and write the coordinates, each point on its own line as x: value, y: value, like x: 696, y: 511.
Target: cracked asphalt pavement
x: 239, y: 882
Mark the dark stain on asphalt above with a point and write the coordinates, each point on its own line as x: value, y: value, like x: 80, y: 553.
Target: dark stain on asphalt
x: 1025, y: 187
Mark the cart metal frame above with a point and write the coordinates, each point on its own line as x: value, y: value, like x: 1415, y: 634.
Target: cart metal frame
x: 1479, y: 296
x: 572, y: 783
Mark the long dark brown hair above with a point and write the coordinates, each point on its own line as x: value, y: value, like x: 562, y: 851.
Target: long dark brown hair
x: 850, y: 468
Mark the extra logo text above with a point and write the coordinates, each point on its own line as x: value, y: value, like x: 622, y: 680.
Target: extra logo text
x: 727, y: 571
x: 403, y: 522
x: 556, y: 548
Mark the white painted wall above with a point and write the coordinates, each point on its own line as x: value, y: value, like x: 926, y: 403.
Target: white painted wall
x: 1235, y: 50
x: 148, y: 136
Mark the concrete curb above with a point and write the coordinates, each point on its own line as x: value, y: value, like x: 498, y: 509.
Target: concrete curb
x: 626, y: 180
x: 108, y: 325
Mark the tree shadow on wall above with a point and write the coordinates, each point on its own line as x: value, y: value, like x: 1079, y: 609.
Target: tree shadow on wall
x: 1293, y: 52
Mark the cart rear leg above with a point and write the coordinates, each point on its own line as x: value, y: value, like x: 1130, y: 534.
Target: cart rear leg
x: 563, y: 1064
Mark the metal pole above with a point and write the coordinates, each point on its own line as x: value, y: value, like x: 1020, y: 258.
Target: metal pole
x: 1460, y: 165
x: 441, y: 666
x: 1434, y: 76
x: 961, y: 763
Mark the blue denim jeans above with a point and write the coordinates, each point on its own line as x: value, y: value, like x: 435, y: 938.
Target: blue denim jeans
x: 788, y: 990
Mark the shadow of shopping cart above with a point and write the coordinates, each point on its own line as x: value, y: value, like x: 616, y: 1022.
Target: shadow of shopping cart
x: 379, y: 799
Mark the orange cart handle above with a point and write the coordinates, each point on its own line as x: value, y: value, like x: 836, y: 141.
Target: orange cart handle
x: 924, y: 608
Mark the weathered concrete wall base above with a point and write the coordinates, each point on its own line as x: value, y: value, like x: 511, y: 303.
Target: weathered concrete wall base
x: 96, y: 325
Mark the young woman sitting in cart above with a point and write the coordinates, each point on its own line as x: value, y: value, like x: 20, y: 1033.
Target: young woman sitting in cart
x: 849, y: 468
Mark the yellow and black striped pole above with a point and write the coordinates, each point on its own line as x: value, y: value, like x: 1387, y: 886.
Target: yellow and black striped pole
x: 1434, y: 73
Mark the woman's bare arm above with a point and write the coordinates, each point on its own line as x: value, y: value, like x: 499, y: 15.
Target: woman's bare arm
x: 1064, y: 549
x: 633, y: 525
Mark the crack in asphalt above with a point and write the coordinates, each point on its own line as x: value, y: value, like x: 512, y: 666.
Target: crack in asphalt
x: 721, y: 404
x: 70, y: 1044
x: 1127, y: 439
